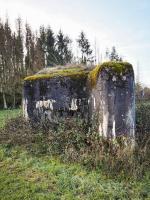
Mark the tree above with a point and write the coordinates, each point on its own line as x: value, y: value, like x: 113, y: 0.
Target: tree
x: 85, y: 48
x: 19, y: 46
x: 6, y: 64
x: 3, y: 67
x: 39, y: 61
x: 50, y: 47
x: 18, y: 60
x: 63, y: 50
x: 30, y: 51
x: 42, y: 41
x: 139, y: 91
x: 113, y: 55
x: 8, y: 56
x: 147, y: 93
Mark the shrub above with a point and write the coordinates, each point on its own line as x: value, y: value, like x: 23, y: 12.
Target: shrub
x: 72, y: 143
x: 143, y: 123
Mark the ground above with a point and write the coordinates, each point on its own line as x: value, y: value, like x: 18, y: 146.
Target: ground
x: 6, y: 114
x: 26, y: 175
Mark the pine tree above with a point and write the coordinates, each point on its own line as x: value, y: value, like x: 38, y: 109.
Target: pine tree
x: 113, y: 55
x: 39, y: 61
x: 85, y: 48
x: 50, y: 47
x: 42, y: 41
x: 64, y: 53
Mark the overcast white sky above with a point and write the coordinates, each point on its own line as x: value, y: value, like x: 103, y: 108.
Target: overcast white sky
x: 124, y: 24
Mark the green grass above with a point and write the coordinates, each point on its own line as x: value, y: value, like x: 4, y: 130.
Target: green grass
x: 8, y: 114
x: 25, y: 174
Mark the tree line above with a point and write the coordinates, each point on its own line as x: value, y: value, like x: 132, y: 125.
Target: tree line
x: 24, y: 52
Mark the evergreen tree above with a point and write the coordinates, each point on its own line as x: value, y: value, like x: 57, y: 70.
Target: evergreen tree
x: 64, y: 53
x: 42, y: 41
x: 85, y: 48
x: 50, y: 47
x: 113, y: 55
x: 39, y: 61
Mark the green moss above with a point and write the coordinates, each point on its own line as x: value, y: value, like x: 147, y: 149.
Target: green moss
x: 93, y: 75
x: 70, y: 72
x: 82, y: 72
x: 119, y: 68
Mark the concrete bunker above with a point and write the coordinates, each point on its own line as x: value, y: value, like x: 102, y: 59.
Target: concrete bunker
x: 103, y: 94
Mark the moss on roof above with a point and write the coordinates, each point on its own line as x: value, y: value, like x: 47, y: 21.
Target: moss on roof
x: 77, y: 72
x: 119, y: 68
x: 81, y: 71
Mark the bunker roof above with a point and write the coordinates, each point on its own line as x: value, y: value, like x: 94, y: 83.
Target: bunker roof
x: 117, y: 68
x: 61, y: 71
x: 79, y: 71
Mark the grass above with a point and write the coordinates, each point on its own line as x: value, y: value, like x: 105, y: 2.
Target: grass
x: 27, y: 171
x: 8, y: 114
x: 24, y: 176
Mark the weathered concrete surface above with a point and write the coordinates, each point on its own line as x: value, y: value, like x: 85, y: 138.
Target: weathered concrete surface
x: 55, y: 98
x: 109, y: 101
x: 113, y: 103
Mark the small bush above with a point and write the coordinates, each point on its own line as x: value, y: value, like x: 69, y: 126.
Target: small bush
x: 143, y: 123
x: 142, y: 117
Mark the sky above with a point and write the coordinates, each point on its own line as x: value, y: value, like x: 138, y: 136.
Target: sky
x: 124, y: 24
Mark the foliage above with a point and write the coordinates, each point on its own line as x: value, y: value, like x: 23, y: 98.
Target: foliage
x: 113, y: 55
x: 142, y: 121
x: 71, y: 142
x: 85, y: 48
x: 23, y: 53
x: 30, y: 47
x: 68, y: 163
x: 51, y: 49
x: 64, y: 54
x: 142, y: 93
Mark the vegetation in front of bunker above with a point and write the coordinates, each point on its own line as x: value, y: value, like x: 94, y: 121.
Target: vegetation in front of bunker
x: 69, y: 164
x: 71, y: 143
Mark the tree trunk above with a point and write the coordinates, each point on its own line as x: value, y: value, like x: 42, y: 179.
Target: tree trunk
x: 14, y: 100
x: 4, y: 101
